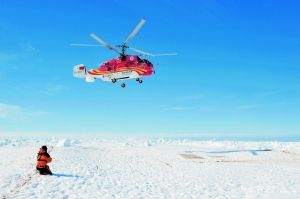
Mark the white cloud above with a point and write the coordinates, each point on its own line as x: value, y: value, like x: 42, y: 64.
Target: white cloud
x: 59, y: 87
x: 247, y: 107
x: 23, y: 50
x: 37, y: 113
x: 7, y: 111
x: 183, y: 108
x: 54, y: 88
x: 8, y: 56
x: 14, y: 112
x: 27, y: 48
x: 177, y: 108
x: 193, y: 97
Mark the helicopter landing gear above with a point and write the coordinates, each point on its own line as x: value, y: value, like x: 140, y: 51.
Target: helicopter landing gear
x: 113, y: 80
x: 123, y: 85
x: 139, y: 80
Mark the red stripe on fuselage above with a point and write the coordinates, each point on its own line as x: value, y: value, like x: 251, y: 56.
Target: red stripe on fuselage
x: 140, y: 71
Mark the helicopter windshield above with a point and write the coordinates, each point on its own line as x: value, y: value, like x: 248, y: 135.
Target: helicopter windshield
x: 139, y: 60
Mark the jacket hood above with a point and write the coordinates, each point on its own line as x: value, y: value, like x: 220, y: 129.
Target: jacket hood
x: 41, y: 151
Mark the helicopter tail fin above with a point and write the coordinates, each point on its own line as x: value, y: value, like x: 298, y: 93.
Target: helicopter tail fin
x: 79, y: 71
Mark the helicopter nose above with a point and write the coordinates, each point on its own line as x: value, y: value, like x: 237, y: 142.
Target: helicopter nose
x: 152, y: 70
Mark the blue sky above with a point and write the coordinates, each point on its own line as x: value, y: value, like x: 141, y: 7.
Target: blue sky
x: 236, y: 73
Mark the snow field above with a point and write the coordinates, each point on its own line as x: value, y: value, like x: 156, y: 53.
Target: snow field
x: 155, y: 168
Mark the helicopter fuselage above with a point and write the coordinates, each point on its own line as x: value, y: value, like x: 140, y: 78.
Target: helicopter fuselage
x: 121, y: 68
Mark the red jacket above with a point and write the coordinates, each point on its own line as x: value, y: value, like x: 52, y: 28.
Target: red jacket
x: 43, y: 159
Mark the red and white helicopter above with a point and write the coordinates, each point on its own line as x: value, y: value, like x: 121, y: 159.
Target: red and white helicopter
x: 121, y: 68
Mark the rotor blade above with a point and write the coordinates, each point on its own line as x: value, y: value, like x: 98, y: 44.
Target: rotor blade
x: 166, y: 54
x: 142, y: 52
x: 150, y: 54
x: 136, y: 30
x: 84, y: 45
x: 103, y: 43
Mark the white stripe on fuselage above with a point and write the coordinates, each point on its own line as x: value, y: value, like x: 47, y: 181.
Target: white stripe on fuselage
x: 129, y: 74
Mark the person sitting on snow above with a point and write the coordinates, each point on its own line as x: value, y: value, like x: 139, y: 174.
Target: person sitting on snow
x: 43, y: 159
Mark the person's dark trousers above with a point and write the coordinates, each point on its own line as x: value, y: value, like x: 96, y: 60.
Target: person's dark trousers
x: 44, y: 170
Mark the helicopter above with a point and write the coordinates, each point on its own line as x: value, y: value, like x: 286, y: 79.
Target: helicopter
x: 123, y: 67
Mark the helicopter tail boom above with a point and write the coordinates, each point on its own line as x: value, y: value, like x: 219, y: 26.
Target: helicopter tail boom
x: 79, y: 71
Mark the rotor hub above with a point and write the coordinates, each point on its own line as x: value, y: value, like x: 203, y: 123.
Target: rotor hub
x: 123, y: 48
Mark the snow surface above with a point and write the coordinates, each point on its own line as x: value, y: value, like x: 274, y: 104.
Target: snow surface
x: 154, y: 168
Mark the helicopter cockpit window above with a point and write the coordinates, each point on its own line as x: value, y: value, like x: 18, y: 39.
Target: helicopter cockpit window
x: 139, y: 60
x: 146, y: 61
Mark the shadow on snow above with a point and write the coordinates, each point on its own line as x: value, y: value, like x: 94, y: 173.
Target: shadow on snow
x: 252, y: 151
x: 66, y: 175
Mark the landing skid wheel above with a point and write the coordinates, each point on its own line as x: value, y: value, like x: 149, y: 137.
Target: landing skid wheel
x: 113, y: 80
x: 140, y: 81
x: 123, y: 85
x: 137, y: 79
